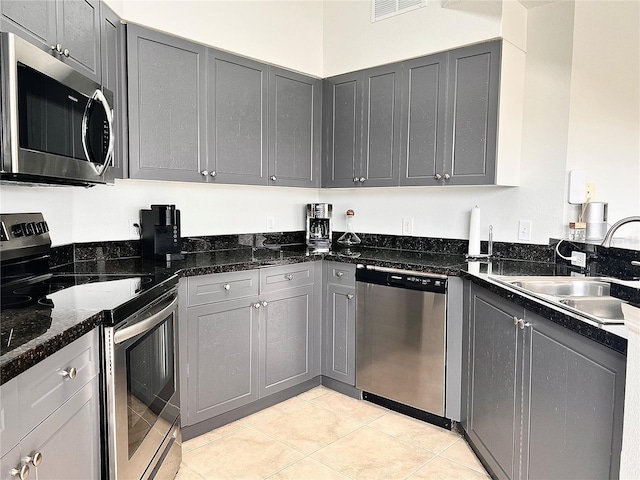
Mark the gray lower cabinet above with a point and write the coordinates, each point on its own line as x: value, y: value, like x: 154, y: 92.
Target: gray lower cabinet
x: 339, y: 323
x: 51, y: 414
x: 543, y: 401
x: 167, y: 106
x: 247, y: 335
x: 362, y: 128
x: 69, y: 29
x: 295, y: 130
x: 237, y: 119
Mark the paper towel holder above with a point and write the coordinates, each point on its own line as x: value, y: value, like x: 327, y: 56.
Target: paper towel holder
x: 489, y: 254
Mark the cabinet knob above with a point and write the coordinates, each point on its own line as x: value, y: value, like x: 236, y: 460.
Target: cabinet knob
x: 362, y: 179
x: 437, y: 176
x: 447, y: 176
x: 522, y: 324
x: 65, y: 52
x: 273, y: 178
x: 515, y: 320
x: 227, y: 287
x: 69, y: 372
x: 264, y: 304
x: 288, y: 276
x: 59, y: 49
x: 349, y: 296
x: 35, y: 459
x: 256, y: 305
x: 339, y: 274
x: 205, y: 173
x: 356, y: 179
x: 22, y: 473
x: 213, y: 174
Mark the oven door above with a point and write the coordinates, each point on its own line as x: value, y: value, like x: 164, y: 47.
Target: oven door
x: 141, y: 383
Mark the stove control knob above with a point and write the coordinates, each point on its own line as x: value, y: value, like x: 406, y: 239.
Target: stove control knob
x: 30, y: 228
x: 18, y: 230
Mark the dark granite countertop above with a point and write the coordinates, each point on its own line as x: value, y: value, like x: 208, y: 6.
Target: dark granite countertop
x: 69, y: 323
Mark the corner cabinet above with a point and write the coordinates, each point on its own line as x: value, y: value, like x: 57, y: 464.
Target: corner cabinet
x: 167, y: 106
x: 540, y: 396
x: 339, y: 323
x: 247, y: 335
x: 68, y: 29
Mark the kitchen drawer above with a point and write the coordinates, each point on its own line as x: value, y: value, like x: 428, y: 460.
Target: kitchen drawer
x: 286, y: 276
x: 341, y: 274
x: 222, y: 286
x: 10, y: 419
x: 44, y: 387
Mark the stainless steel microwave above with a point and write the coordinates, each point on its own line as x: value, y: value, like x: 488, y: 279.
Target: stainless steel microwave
x: 57, y: 124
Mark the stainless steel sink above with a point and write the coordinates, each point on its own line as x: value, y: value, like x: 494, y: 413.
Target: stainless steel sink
x: 565, y: 287
x: 605, y: 308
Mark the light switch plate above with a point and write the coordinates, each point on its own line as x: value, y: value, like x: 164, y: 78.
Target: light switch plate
x: 524, y: 230
x: 407, y: 226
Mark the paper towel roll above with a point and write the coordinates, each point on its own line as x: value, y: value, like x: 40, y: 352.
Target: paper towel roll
x: 474, y: 231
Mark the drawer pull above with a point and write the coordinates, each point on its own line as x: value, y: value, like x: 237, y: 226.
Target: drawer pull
x: 35, y: 460
x: 264, y: 304
x: 339, y: 274
x: 349, y: 296
x: 256, y: 305
x: 288, y: 276
x: 227, y: 287
x: 22, y: 473
x: 69, y: 372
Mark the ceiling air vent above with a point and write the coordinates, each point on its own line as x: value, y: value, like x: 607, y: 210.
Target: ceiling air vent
x: 381, y: 9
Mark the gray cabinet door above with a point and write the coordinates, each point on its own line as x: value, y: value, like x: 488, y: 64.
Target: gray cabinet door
x: 339, y: 334
x: 69, y: 439
x: 167, y: 106
x: 113, y: 79
x: 575, y: 405
x: 286, y: 339
x: 79, y: 33
x: 381, y: 126
x: 342, y: 136
x: 34, y: 21
x: 222, y: 342
x: 295, y: 130
x: 424, y: 96
x: 495, y: 375
x: 472, y: 114
x: 237, y: 120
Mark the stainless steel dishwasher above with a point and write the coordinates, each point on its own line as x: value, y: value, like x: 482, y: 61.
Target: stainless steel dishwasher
x: 401, y: 337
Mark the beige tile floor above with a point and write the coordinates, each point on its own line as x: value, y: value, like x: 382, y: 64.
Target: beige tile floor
x: 323, y: 434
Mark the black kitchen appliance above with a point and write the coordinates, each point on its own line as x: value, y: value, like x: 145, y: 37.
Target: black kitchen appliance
x: 319, y: 232
x: 161, y: 232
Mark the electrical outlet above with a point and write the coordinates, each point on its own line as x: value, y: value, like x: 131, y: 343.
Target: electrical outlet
x: 271, y: 224
x: 134, y: 228
x: 407, y: 226
x: 579, y: 259
x: 591, y: 191
x: 524, y: 230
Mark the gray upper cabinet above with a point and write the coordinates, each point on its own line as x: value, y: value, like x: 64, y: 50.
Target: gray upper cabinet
x: 472, y: 115
x: 69, y: 29
x: 295, y: 130
x: 424, y: 94
x: 113, y: 56
x: 167, y: 106
x: 540, y: 395
x: 342, y: 119
x: 237, y: 120
x: 362, y: 128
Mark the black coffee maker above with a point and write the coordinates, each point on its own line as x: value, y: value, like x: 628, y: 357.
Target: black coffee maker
x: 161, y: 233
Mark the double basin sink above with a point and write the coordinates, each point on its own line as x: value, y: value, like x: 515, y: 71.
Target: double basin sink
x: 588, y: 296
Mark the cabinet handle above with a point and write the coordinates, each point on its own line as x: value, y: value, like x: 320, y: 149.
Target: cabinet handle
x: 362, y: 179
x: 205, y: 173
x: 288, y: 276
x: 635, y: 263
x: 437, y: 176
x: 522, y: 324
x: 349, y: 296
x: 65, y: 52
x: 35, y: 459
x: 69, y: 372
x: 256, y: 305
x: 264, y: 304
x: 227, y: 287
x: 22, y: 473
x: 339, y: 274
x: 447, y: 176
x: 273, y: 178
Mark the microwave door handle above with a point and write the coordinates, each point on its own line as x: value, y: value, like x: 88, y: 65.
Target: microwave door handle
x: 99, y: 97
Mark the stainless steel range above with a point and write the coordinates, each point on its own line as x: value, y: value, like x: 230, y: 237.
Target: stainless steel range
x: 141, y: 403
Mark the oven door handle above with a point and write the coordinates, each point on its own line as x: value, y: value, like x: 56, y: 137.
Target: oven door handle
x: 145, y: 325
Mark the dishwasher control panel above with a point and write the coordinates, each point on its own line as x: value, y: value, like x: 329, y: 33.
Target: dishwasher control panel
x: 408, y: 280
